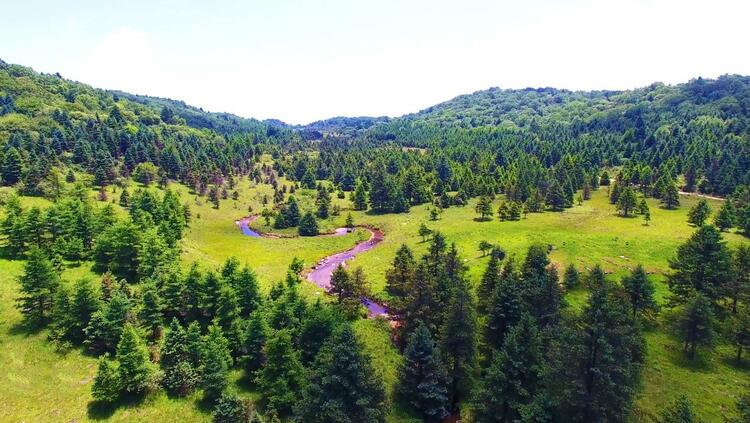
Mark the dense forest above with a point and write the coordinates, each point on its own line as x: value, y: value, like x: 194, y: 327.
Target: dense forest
x: 505, y: 349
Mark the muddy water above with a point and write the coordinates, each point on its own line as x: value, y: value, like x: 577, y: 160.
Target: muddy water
x: 321, y: 274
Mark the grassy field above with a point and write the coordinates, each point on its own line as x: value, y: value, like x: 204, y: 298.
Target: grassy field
x: 39, y: 383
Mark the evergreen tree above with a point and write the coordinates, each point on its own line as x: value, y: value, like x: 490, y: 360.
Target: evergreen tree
x: 423, y: 379
x: 738, y: 287
x: 359, y: 196
x: 341, y: 283
x: 232, y: 409
x: 248, y: 291
x: 699, y: 213
x: 349, y: 221
x: 256, y: 336
x: 125, y: 198
x: 680, y: 411
x: 626, y: 201
x: 703, y: 264
x: 343, y: 385
x: 572, y: 277
x: 323, y: 203
x: 180, y: 377
x: 505, y: 307
x: 84, y: 304
x: 216, y: 363
x: 511, y: 381
x: 135, y: 370
x: 281, y: 379
x: 740, y: 331
x: 555, y: 197
x: 695, y: 323
x: 640, y: 290
x: 424, y: 232
x: 106, y: 387
x: 399, y: 277
x: 308, y: 226
x: 11, y: 167
x: 484, y: 208
x: 105, y: 327
x: 671, y: 198
x: 458, y: 344
x: 38, y: 285
x: 151, y: 309
x: 726, y: 217
x: 490, y: 280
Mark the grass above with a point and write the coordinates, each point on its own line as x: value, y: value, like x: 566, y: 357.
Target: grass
x: 40, y: 384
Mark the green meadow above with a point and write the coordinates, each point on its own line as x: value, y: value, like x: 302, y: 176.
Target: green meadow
x: 38, y: 382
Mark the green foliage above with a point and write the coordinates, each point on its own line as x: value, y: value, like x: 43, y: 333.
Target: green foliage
x: 680, y: 411
x: 136, y: 372
x: 343, y: 386
x: 640, y: 290
x: 699, y: 213
x: 281, y: 379
x: 696, y: 323
x: 106, y: 387
x: 308, y: 226
x: 39, y: 283
x: 702, y: 264
x: 423, y: 379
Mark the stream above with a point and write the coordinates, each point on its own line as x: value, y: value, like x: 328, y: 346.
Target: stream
x: 321, y: 273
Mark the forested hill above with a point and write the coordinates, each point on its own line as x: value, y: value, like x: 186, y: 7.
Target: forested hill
x: 48, y: 122
x: 701, y: 127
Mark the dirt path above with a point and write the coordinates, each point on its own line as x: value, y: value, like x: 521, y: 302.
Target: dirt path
x: 695, y: 194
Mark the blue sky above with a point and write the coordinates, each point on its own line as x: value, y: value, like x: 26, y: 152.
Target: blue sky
x: 302, y: 61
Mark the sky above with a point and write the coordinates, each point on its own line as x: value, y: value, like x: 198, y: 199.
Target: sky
x: 301, y: 61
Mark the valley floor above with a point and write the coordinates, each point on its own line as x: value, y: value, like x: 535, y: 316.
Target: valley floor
x: 39, y: 383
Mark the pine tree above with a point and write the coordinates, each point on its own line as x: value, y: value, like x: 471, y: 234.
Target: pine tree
x: 572, y: 277
x: 281, y: 379
x: 106, y: 325
x: 699, y: 213
x: 488, y: 283
x: 695, y: 323
x: 740, y: 331
x: 135, y: 370
x: 726, y: 217
x: 180, y: 377
x: 38, y: 285
x: 151, y: 310
x: 671, y: 198
x: 424, y: 232
x: 640, y: 290
x: 505, y: 307
x: 349, y: 221
x: 458, y: 344
x: 216, y: 363
x: 232, y: 409
x: 323, y: 203
x: 359, y: 196
x: 256, y: 336
x: 85, y: 302
x: 738, y: 287
x: 248, y: 292
x: 341, y: 283
x: 11, y: 167
x: 484, y: 208
x: 399, y: 277
x: 343, y: 385
x: 680, y: 411
x: 106, y: 387
x: 513, y: 377
x: 703, y: 263
x: 125, y: 198
x: 423, y: 379
x: 556, y: 197
x: 308, y: 226
x: 626, y: 201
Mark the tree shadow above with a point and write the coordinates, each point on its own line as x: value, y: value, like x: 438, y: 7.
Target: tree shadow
x: 26, y: 328
x: 731, y: 361
x: 99, y: 410
x: 482, y: 219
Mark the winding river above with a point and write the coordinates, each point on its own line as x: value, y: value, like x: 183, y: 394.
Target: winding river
x: 321, y: 273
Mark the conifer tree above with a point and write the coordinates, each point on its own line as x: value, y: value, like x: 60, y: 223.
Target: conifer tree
x: 679, y: 411
x: 702, y: 264
x: 696, y: 323
x: 505, y: 307
x: 490, y: 280
x: 216, y: 363
x: 571, y: 278
x: 106, y: 387
x: 135, y: 370
x: 423, y: 379
x: 106, y: 325
x: 308, y: 226
x: 626, y: 201
x: 699, y: 213
x: 359, y: 196
x: 343, y: 385
x: 640, y: 290
x: 323, y: 202
x: 151, y: 310
x: 513, y: 377
x: 84, y: 303
x: 256, y: 336
x: 458, y: 344
x: 38, y: 285
x: 399, y: 277
x: 726, y: 217
x: 281, y: 379
x: 671, y: 197
x: 180, y: 377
